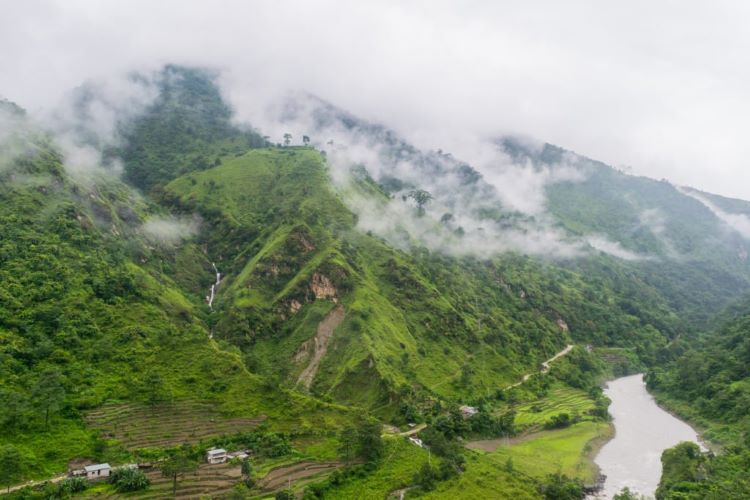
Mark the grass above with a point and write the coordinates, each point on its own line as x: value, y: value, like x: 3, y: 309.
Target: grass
x: 486, y: 477
x: 47, y: 452
x: 566, y: 450
x: 401, y: 461
x: 561, y: 399
x: 322, y: 449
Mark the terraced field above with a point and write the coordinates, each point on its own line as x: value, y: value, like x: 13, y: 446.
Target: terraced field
x: 559, y: 400
x: 140, y: 426
x: 208, y: 481
x: 289, y: 475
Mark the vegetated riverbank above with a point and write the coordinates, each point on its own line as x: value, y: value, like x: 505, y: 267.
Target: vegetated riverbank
x: 712, y: 436
x: 643, y: 430
x: 570, y: 450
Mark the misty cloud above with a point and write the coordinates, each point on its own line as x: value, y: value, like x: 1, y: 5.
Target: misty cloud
x: 738, y: 222
x: 88, y: 121
x: 614, y: 248
x: 488, y: 205
x: 170, y: 230
x: 641, y: 84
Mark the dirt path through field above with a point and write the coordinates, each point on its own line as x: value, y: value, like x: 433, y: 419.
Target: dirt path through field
x: 319, y: 344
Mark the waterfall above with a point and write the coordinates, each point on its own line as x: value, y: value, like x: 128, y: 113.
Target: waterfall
x: 212, y: 294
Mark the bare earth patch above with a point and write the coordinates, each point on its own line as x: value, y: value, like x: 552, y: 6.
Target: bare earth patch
x: 319, y: 345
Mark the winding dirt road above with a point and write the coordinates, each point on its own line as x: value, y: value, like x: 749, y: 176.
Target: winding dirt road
x: 545, y: 366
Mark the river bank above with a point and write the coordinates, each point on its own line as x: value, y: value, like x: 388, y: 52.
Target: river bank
x: 642, y: 431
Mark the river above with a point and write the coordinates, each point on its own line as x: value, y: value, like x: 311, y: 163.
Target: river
x: 642, y: 431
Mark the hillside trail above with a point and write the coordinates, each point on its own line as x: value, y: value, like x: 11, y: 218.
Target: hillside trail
x: 545, y: 366
x: 319, y: 344
x: 56, y: 479
x: 413, y: 431
x: 545, y: 369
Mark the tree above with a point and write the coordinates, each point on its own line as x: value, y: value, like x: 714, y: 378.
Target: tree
x: 284, y: 495
x: 11, y: 409
x: 126, y: 479
x: 446, y: 218
x: 560, y: 487
x: 153, y: 387
x: 305, y: 140
x: 421, y: 198
x: 348, y: 444
x: 176, y: 465
x: 426, y: 477
x: 287, y: 138
x: 627, y: 494
x: 10, y: 465
x: 370, y: 440
x: 247, y: 472
x: 48, y: 394
x: 239, y: 492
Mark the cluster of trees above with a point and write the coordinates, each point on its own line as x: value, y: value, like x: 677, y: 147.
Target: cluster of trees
x: 713, y: 373
x: 362, y: 442
x: 128, y: 479
x: 187, y: 128
x: 288, y: 139
x: 689, y: 474
x: 708, y: 378
x: 558, y: 486
x: 66, y: 488
x: 11, y: 466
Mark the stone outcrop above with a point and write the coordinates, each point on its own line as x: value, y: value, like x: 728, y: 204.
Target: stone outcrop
x: 322, y: 287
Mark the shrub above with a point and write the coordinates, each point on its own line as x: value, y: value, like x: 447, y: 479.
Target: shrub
x: 125, y: 479
x: 73, y: 485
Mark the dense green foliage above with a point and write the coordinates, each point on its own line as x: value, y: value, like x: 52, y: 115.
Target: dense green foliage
x: 707, y: 380
x: 325, y: 332
x: 187, y: 128
x: 712, y: 374
x: 689, y: 474
x: 128, y: 479
x: 88, y: 315
x: 687, y: 254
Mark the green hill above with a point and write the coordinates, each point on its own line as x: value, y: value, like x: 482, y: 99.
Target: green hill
x: 341, y: 298
x: 88, y: 317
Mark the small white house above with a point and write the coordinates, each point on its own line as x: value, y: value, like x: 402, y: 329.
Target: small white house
x: 216, y: 456
x: 97, y: 471
x: 417, y: 441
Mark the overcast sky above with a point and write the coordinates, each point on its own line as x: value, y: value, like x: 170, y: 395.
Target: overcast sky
x: 659, y: 86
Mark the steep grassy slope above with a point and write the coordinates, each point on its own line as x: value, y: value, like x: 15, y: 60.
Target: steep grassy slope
x: 87, y: 317
x: 417, y: 326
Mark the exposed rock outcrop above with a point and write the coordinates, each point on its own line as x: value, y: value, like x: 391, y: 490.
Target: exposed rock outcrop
x: 322, y: 287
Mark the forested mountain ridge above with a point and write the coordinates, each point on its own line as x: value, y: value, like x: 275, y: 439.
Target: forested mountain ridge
x: 88, y: 315
x: 361, y: 278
